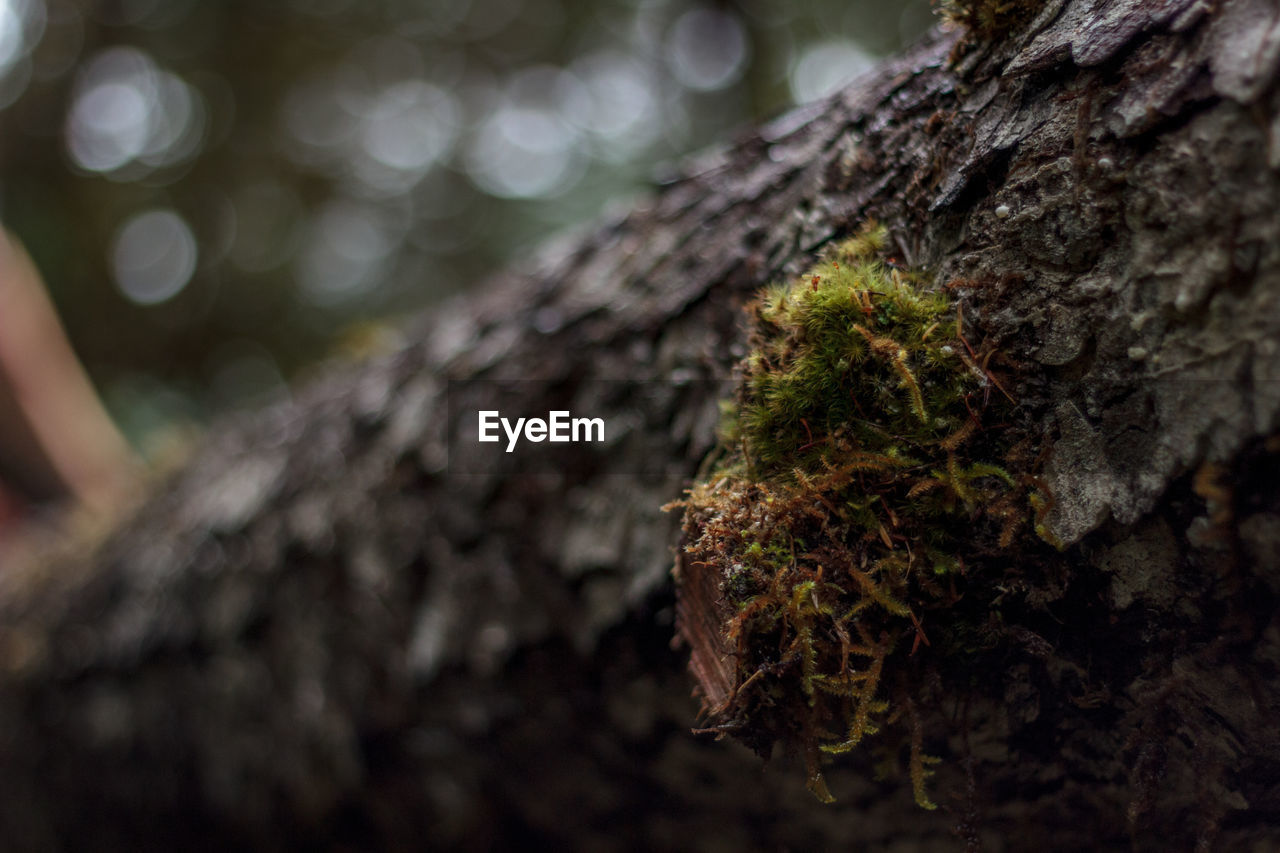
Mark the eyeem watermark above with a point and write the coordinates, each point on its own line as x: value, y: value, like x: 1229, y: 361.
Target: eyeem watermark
x: 559, y: 427
x: 580, y: 427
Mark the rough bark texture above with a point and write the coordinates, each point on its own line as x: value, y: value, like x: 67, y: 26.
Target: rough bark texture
x: 315, y: 638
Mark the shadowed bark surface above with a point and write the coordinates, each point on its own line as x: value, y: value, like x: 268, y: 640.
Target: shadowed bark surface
x: 318, y: 637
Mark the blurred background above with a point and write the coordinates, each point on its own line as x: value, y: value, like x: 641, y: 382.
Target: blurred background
x: 218, y: 194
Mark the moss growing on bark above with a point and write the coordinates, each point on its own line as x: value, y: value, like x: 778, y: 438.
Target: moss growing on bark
x: 867, y: 459
x: 987, y: 19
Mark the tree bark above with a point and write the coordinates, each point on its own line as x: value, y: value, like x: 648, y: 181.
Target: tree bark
x: 321, y: 636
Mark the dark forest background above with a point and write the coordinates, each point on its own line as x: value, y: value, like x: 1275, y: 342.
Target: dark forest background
x: 219, y: 194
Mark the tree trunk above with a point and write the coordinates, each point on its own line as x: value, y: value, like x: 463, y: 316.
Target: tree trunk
x: 325, y: 635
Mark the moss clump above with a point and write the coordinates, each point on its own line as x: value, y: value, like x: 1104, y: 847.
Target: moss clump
x: 867, y: 466
x: 987, y: 19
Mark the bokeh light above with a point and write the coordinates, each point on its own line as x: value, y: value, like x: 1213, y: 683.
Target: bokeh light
x: 826, y: 66
x: 153, y: 257
x: 345, y: 251
x: 21, y: 25
x: 259, y: 180
x: 707, y: 49
x: 529, y: 146
x: 127, y: 112
x: 622, y: 109
x: 409, y: 127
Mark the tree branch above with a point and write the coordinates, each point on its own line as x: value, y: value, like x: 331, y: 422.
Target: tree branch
x: 318, y: 636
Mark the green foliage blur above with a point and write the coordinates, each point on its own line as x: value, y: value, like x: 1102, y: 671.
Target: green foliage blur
x: 219, y: 192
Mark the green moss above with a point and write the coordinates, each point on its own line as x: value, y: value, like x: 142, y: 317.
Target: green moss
x: 865, y: 473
